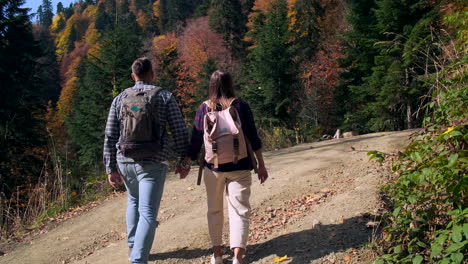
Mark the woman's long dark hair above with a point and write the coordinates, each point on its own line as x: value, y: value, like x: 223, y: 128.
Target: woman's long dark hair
x: 221, y: 89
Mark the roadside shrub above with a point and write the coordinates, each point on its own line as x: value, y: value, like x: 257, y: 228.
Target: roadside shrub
x: 428, y: 221
x: 277, y: 137
x: 428, y: 200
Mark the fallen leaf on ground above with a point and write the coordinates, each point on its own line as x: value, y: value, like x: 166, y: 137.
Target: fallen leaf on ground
x: 281, y: 259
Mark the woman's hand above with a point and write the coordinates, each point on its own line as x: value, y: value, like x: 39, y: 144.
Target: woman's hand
x: 262, y: 174
x: 114, y: 179
x: 183, y: 167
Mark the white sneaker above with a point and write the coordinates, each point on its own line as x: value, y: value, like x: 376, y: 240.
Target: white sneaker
x: 217, y: 260
x: 235, y: 261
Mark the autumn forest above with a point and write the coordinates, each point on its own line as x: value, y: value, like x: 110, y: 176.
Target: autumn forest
x: 306, y: 67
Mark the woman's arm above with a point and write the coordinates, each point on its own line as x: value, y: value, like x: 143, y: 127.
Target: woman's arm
x: 262, y: 172
x: 197, y: 133
x: 250, y: 131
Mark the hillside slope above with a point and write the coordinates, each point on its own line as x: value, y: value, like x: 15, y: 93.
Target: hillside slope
x: 314, y: 208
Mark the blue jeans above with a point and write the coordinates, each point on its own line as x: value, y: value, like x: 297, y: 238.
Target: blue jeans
x: 145, y: 183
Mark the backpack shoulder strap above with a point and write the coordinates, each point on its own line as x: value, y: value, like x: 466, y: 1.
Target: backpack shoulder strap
x: 210, y: 106
x: 151, y: 98
x: 153, y: 92
x: 131, y: 92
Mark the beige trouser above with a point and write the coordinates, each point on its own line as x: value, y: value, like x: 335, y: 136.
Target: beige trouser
x: 237, y: 185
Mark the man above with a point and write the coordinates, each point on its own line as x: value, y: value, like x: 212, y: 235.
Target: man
x: 136, y: 145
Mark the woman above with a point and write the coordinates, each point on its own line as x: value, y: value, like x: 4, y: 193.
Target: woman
x: 234, y: 177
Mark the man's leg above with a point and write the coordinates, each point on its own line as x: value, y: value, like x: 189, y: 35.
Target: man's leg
x: 151, y: 177
x: 131, y: 184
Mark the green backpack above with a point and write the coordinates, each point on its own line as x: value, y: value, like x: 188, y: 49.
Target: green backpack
x: 139, y: 125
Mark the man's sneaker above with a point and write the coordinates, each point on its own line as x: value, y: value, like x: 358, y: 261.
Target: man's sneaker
x: 236, y: 261
x: 216, y: 260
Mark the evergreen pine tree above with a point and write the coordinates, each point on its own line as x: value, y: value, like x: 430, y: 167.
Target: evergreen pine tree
x: 111, y: 7
x: 395, y: 76
x: 59, y: 7
x: 103, y: 21
x: 20, y: 130
x: 272, y: 67
x: 169, y: 68
x: 47, y: 67
x: 202, y: 8
x: 228, y: 19
x: 68, y: 12
x: 39, y: 15
x: 101, y: 78
x: 305, y: 28
x: 163, y: 16
x: 86, y: 125
x: 359, y: 54
x: 123, y: 8
x: 203, y: 86
x: 386, y: 99
x: 143, y: 4
x: 247, y: 6
x: 46, y: 14
x: 174, y: 12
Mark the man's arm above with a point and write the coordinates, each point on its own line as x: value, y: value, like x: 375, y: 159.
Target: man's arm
x: 112, y: 134
x: 180, y: 135
x: 177, y: 126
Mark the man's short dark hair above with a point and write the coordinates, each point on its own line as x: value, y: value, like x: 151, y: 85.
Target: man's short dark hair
x: 141, y: 67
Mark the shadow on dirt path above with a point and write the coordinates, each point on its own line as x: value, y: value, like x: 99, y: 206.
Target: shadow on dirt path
x: 308, y: 245
x: 301, y: 247
x: 184, y: 253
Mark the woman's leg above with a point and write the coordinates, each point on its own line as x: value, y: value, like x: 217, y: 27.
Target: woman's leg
x: 215, y: 184
x: 238, y: 197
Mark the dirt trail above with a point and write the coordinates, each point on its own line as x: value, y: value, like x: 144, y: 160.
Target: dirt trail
x: 314, y: 208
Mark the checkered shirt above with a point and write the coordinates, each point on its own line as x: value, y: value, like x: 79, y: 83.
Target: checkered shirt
x: 169, y: 115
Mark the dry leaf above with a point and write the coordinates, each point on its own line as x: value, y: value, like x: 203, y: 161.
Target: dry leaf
x: 281, y: 259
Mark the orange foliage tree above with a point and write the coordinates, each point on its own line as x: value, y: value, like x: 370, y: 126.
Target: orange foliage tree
x: 198, y: 43
x: 183, y: 57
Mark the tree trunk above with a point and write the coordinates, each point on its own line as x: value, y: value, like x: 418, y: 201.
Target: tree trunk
x: 409, y: 118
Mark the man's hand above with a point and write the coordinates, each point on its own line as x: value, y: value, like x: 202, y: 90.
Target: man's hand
x: 114, y: 179
x: 262, y: 174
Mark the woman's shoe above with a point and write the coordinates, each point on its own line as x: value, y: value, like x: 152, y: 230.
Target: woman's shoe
x: 216, y: 260
x: 236, y: 261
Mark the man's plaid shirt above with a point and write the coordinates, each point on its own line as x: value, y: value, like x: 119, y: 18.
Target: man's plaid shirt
x: 169, y: 114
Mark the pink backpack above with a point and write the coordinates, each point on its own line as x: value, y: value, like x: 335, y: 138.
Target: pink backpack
x: 223, y: 136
